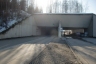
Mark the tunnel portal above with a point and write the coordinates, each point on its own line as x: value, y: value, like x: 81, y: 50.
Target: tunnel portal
x: 49, y: 31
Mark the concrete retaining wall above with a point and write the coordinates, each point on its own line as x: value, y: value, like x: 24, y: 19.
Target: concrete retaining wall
x: 31, y: 26
x: 66, y: 20
x: 94, y: 25
x: 27, y: 27
x: 90, y: 28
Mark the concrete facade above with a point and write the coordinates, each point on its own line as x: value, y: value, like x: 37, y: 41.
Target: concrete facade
x: 59, y: 30
x: 78, y: 30
x: 32, y: 25
x: 66, y: 20
x: 94, y: 26
x: 25, y: 28
x: 90, y: 28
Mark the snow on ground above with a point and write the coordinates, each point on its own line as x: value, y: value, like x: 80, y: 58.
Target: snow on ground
x: 15, y: 20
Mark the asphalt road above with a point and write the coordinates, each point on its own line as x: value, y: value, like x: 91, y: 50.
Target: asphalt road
x: 21, y: 50
x: 36, y: 50
x: 11, y: 42
x: 86, y: 51
x: 90, y: 40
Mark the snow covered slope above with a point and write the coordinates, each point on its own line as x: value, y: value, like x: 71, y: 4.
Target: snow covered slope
x: 14, y: 21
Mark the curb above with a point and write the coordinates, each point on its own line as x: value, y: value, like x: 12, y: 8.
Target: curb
x: 73, y: 51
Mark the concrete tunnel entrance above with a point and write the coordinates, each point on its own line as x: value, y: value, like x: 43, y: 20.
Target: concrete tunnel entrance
x: 49, y: 31
x: 74, y: 32
x: 65, y: 32
x: 81, y: 21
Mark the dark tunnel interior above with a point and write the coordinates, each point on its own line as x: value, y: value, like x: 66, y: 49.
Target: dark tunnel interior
x: 49, y: 31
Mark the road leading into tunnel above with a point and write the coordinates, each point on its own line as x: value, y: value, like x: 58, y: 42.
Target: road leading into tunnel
x: 13, y: 51
x: 36, y: 50
x: 85, y: 51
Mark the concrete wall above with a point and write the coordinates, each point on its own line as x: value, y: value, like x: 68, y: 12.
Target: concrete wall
x: 31, y: 26
x: 94, y: 25
x: 38, y: 31
x: 66, y: 20
x: 90, y: 28
x: 78, y: 30
x: 25, y: 28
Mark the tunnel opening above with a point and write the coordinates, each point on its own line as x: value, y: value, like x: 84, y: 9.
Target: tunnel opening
x: 74, y: 32
x: 49, y: 31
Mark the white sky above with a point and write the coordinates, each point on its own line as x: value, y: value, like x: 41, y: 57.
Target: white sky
x: 91, y: 4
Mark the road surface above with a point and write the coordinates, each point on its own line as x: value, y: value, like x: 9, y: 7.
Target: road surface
x: 90, y: 40
x: 36, y: 50
x: 84, y: 50
x: 15, y: 50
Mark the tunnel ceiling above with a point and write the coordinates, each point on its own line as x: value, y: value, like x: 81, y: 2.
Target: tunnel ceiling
x: 66, y: 20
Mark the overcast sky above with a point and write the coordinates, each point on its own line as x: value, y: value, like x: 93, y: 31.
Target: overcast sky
x: 91, y: 5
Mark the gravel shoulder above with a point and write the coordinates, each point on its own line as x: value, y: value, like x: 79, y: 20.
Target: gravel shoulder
x: 56, y: 52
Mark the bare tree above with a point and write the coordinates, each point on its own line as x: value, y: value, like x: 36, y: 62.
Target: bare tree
x: 67, y: 6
